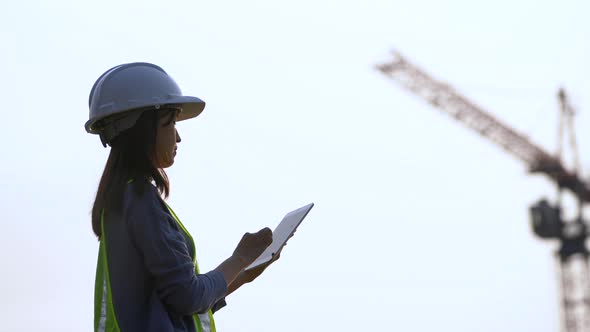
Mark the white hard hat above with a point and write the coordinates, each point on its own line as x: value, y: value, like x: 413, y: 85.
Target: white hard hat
x: 122, y: 93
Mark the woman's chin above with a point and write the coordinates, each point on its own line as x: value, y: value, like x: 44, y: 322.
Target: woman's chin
x: 166, y: 164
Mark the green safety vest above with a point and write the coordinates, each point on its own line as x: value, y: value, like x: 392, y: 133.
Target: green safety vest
x: 105, y: 319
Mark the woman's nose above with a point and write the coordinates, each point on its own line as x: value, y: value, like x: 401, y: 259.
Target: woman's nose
x: 177, y: 137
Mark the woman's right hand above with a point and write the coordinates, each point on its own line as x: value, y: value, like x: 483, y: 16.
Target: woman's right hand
x: 251, y: 246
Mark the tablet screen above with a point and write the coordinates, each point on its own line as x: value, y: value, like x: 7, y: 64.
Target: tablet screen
x: 282, y: 233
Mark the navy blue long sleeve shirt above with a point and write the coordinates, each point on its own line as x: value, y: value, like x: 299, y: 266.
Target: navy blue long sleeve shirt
x: 153, y: 279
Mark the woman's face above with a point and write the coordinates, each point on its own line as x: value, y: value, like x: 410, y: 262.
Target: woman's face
x: 166, y: 139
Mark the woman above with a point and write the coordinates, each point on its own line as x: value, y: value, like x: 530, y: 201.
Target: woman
x: 147, y: 277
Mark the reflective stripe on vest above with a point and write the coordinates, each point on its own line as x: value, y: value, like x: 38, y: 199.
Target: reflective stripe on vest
x: 205, y: 321
x: 104, y: 312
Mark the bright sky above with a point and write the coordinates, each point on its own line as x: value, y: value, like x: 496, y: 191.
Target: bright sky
x: 419, y: 224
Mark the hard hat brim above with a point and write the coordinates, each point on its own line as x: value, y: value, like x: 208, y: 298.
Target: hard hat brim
x: 191, y: 107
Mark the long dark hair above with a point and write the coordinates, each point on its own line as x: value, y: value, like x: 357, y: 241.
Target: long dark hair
x: 131, y: 158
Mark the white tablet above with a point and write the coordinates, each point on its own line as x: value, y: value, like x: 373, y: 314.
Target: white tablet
x: 282, y: 233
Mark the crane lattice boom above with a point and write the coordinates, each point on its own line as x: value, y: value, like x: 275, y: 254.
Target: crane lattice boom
x: 447, y: 99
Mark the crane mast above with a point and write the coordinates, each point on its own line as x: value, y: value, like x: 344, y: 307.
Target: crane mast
x: 547, y: 221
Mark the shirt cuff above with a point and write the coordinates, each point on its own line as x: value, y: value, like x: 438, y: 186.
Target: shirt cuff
x: 218, y: 305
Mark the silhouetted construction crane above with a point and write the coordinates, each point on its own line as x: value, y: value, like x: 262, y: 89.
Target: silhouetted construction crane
x: 546, y: 218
